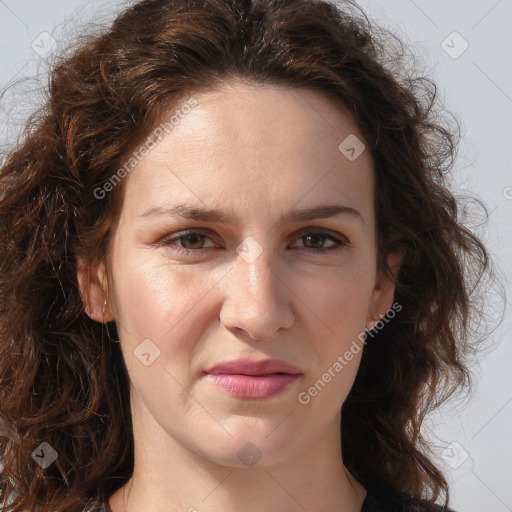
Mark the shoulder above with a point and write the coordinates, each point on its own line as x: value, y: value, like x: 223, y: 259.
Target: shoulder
x: 383, y: 498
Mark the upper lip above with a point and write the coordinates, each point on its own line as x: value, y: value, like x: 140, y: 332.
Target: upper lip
x: 251, y: 367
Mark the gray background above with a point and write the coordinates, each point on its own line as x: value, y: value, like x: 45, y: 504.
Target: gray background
x: 472, y: 439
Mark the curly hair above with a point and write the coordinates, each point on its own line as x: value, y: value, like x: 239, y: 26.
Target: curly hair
x: 62, y: 379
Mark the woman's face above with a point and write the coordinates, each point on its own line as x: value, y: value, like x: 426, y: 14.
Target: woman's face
x: 246, y: 233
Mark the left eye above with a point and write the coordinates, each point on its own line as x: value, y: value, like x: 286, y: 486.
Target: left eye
x: 193, y: 241
x: 318, y: 237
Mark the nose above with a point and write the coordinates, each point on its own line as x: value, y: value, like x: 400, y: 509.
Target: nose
x: 257, y: 300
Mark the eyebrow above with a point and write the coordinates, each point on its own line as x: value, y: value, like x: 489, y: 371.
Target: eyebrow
x: 213, y: 215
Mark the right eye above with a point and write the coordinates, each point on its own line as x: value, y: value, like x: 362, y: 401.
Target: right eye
x: 193, y: 239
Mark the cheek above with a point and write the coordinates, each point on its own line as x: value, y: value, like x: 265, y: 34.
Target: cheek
x: 340, y: 306
x: 338, y: 300
x: 159, y: 301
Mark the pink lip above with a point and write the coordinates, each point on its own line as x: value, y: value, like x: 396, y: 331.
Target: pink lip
x: 250, y: 367
x: 253, y: 379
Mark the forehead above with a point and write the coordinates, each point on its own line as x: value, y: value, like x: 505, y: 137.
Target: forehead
x: 268, y: 143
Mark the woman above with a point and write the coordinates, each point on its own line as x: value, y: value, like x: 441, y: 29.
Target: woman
x: 231, y: 272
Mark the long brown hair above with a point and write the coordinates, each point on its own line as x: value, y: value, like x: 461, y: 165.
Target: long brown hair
x: 62, y: 378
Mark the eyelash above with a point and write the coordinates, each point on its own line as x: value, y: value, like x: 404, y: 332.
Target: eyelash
x: 168, y: 242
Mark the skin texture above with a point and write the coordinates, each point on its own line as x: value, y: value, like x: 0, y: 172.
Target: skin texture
x: 256, y: 152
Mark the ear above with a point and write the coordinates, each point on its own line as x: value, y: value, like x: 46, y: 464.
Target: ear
x: 384, y: 291
x: 93, y: 285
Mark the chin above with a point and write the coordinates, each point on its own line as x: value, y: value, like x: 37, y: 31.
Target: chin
x: 251, y: 447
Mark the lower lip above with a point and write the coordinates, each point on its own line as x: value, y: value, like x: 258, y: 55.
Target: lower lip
x: 252, y: 386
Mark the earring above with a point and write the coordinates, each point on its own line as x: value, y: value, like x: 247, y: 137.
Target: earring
x: 373, y: 326
x: 104, y: 306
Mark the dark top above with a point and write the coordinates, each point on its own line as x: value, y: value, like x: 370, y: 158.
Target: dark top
x: 379, y: 498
